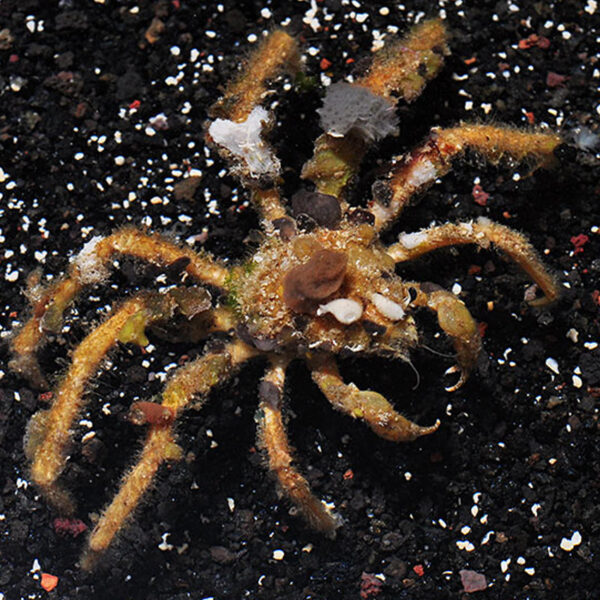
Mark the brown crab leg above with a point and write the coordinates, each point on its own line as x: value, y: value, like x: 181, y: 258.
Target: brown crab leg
x: 193, y: 380
x: 91, y: 267
x: 273, y: 438
x: 400, y: 70
x: 456, y: 321
x: 268, y: 205
x: 433, y: 159
x: 369, y: 406
x: 482, y: 232
x: 49, y: 430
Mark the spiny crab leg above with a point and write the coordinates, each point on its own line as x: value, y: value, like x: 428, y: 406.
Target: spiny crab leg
x: 398, y: 71
x: 273, y: 438
x: 456, y: 321
x: 91, y: 267
x: 482, y: 232
x: 418, y: 170
x: 192, y: 380
x: 369, y: 406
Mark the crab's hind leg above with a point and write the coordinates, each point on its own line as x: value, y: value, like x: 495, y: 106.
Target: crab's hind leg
x: 456, y: 321
x: 369, y: 406
x: 91, y: 266
x: 482, y: 232
x: 273, y: 438
x: 48, y: 432
x: 417, y: 171
x: 193, y: 380
x: 276, y: 54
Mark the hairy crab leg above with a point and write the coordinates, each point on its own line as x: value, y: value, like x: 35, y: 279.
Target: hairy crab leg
x: 269, y: 206
x: 419, y: 169
x: 399, y: 71
x: 195, y: 379
x: 369, y: 406
x: 482, y: 232
x: 278, y: 53
x: 49, y: 431
x: 273, y: 438
x: 91, y: 267
x: 456, y: 321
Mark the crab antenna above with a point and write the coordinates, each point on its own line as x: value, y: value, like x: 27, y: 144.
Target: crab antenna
x: 399, y: 71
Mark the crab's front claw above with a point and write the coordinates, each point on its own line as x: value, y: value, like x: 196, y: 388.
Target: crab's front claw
x: 371, y: 407
x: 456, y: 321
x: 461, y: 380
x: 388, y: 424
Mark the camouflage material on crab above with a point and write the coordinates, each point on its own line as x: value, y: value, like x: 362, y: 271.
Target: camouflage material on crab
x: 270, y: 324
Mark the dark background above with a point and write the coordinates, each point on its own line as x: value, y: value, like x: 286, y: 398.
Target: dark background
x: 514, y: 467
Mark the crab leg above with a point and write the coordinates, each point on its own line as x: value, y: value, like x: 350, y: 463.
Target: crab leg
x: 273, y: 437
x: 456, y: 321
x: 482, y: 232
x: 419, y: 170
x: 369, y: 406
x: 91, y: 267
x: 277, y: 53
x: 49, y: 431
x: 195, y: 379
x: 400, y: 70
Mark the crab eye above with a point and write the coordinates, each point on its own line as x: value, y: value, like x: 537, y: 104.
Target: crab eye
x: 314, y: 280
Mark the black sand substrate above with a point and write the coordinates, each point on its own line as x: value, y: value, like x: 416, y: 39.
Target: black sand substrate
x: 98, y: 124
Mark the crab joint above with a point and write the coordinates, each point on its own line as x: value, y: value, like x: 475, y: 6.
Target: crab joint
x: 134, y: 330
x: 456, y: 320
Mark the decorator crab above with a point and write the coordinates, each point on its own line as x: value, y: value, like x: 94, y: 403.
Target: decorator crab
x: 320, y: 283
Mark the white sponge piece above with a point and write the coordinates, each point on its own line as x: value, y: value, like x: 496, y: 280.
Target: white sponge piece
x: 244, y: 141
x: 349, y: 107
x: 90, y: 268
x: 345, y: 310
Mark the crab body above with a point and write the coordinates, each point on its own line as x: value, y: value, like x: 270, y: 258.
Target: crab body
x: 269, y: 294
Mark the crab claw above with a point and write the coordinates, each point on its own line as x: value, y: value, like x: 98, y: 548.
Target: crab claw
x: 388, y: 424
x: 461, y: 380
x: 368, y: 406
x: 456, y: 321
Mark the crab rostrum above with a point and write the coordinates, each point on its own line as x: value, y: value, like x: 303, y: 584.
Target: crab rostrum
x: 320, y: 283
